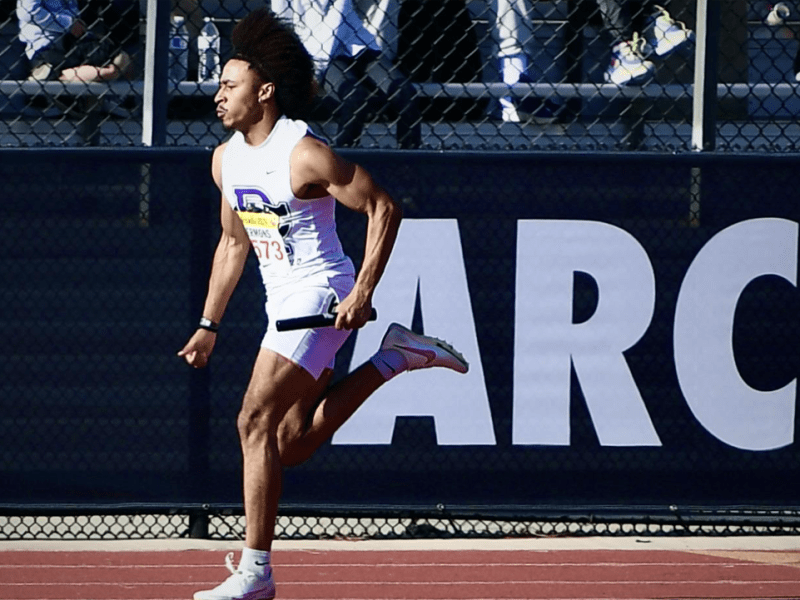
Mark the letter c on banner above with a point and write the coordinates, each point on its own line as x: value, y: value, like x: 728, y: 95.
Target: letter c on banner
x: 720, y: 399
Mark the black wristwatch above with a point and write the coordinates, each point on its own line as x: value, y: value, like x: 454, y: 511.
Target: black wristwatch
x: 208, y: 325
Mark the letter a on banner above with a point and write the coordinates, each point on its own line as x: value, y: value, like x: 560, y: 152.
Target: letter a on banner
x: 428, y: 256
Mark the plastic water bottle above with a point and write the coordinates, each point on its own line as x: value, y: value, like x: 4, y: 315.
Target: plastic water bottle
x: 208, y: 65
x: 178, y: 51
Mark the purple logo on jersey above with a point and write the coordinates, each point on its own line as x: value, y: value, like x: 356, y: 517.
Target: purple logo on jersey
x: 251, y: 200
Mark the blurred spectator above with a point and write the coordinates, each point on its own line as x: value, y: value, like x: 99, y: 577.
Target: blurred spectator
x: 381, y: 19
x: 350, y: 61
x: 513, y: 32
x: 776, y: 16
x: 60, y: 45
x: 640, y: 30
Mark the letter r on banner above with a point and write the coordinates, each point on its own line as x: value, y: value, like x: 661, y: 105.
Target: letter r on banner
x: 547, y: 343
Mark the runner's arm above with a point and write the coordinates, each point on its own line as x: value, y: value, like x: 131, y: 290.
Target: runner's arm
x: 315, y: 164
x: 226, y: 270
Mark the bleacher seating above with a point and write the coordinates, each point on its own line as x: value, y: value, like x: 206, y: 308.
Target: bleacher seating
x: 455, y: 110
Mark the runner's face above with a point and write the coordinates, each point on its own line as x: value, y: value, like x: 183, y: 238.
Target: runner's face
x: 237, y: 98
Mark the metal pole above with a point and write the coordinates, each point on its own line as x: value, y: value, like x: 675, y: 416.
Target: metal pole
x: 704, y: 103
x: 154, y: 94
x: 199, y: 406
x: 155, y: 98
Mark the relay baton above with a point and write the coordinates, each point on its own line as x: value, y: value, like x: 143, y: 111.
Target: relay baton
x: 312, y: 321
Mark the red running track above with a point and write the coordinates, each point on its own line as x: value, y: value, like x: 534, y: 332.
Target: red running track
x: 411, y: 575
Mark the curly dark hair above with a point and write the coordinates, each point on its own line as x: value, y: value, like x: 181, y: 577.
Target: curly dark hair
x: 274, y: 51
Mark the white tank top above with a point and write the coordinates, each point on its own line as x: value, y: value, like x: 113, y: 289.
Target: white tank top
x: 293, y: 239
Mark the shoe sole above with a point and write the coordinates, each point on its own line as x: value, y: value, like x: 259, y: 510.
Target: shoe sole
x: 455, y: 354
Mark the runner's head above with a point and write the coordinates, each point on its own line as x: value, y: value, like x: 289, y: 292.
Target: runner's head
x: 275, y: 54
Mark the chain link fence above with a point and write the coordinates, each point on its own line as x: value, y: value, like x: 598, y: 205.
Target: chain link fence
x: 106, y: 433
x: 227, y: 525
x: 455, y: 74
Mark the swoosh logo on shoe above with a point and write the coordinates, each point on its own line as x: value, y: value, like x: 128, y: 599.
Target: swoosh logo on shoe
x: 430, y: 355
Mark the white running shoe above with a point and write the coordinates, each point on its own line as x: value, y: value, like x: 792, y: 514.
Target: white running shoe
x: 422, y: 351
x: 628, y: 64
x: 241, y: 585
x: 666, y: 34
x: 509, y: 111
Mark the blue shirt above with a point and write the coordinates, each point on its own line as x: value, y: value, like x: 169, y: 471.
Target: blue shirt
x: 328, y: 28
x: 42, y: 22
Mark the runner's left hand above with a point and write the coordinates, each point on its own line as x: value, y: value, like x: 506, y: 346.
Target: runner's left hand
x: 353, y: 312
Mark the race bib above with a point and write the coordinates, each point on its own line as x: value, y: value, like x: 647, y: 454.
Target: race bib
x: 262, y: 228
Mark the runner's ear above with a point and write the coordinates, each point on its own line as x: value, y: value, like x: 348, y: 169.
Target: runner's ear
x: 265, y: 92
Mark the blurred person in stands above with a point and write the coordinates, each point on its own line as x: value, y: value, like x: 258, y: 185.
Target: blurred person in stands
x: 641, y: 32
x: 345, y: 39
x: 280, y: 184
x: 381, y: 18
x: 60, y: 45
x: 513, y: 32
x: 776, y: 15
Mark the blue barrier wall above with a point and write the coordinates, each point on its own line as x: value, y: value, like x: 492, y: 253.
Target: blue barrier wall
x: 630, y: 323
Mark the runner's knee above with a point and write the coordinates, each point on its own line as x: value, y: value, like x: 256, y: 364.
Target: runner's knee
x: 290, y: 443
x: 256, y: 422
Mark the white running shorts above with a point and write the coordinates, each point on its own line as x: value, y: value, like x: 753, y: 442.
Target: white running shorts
x: 312, y: 349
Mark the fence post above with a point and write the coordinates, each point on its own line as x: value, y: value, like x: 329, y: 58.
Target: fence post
x: 200, y: 379
x: 155, y: 93
x: 198, y: 524
x: 704, y: 104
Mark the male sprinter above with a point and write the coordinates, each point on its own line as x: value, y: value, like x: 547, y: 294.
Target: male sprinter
x: 279, y: 187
